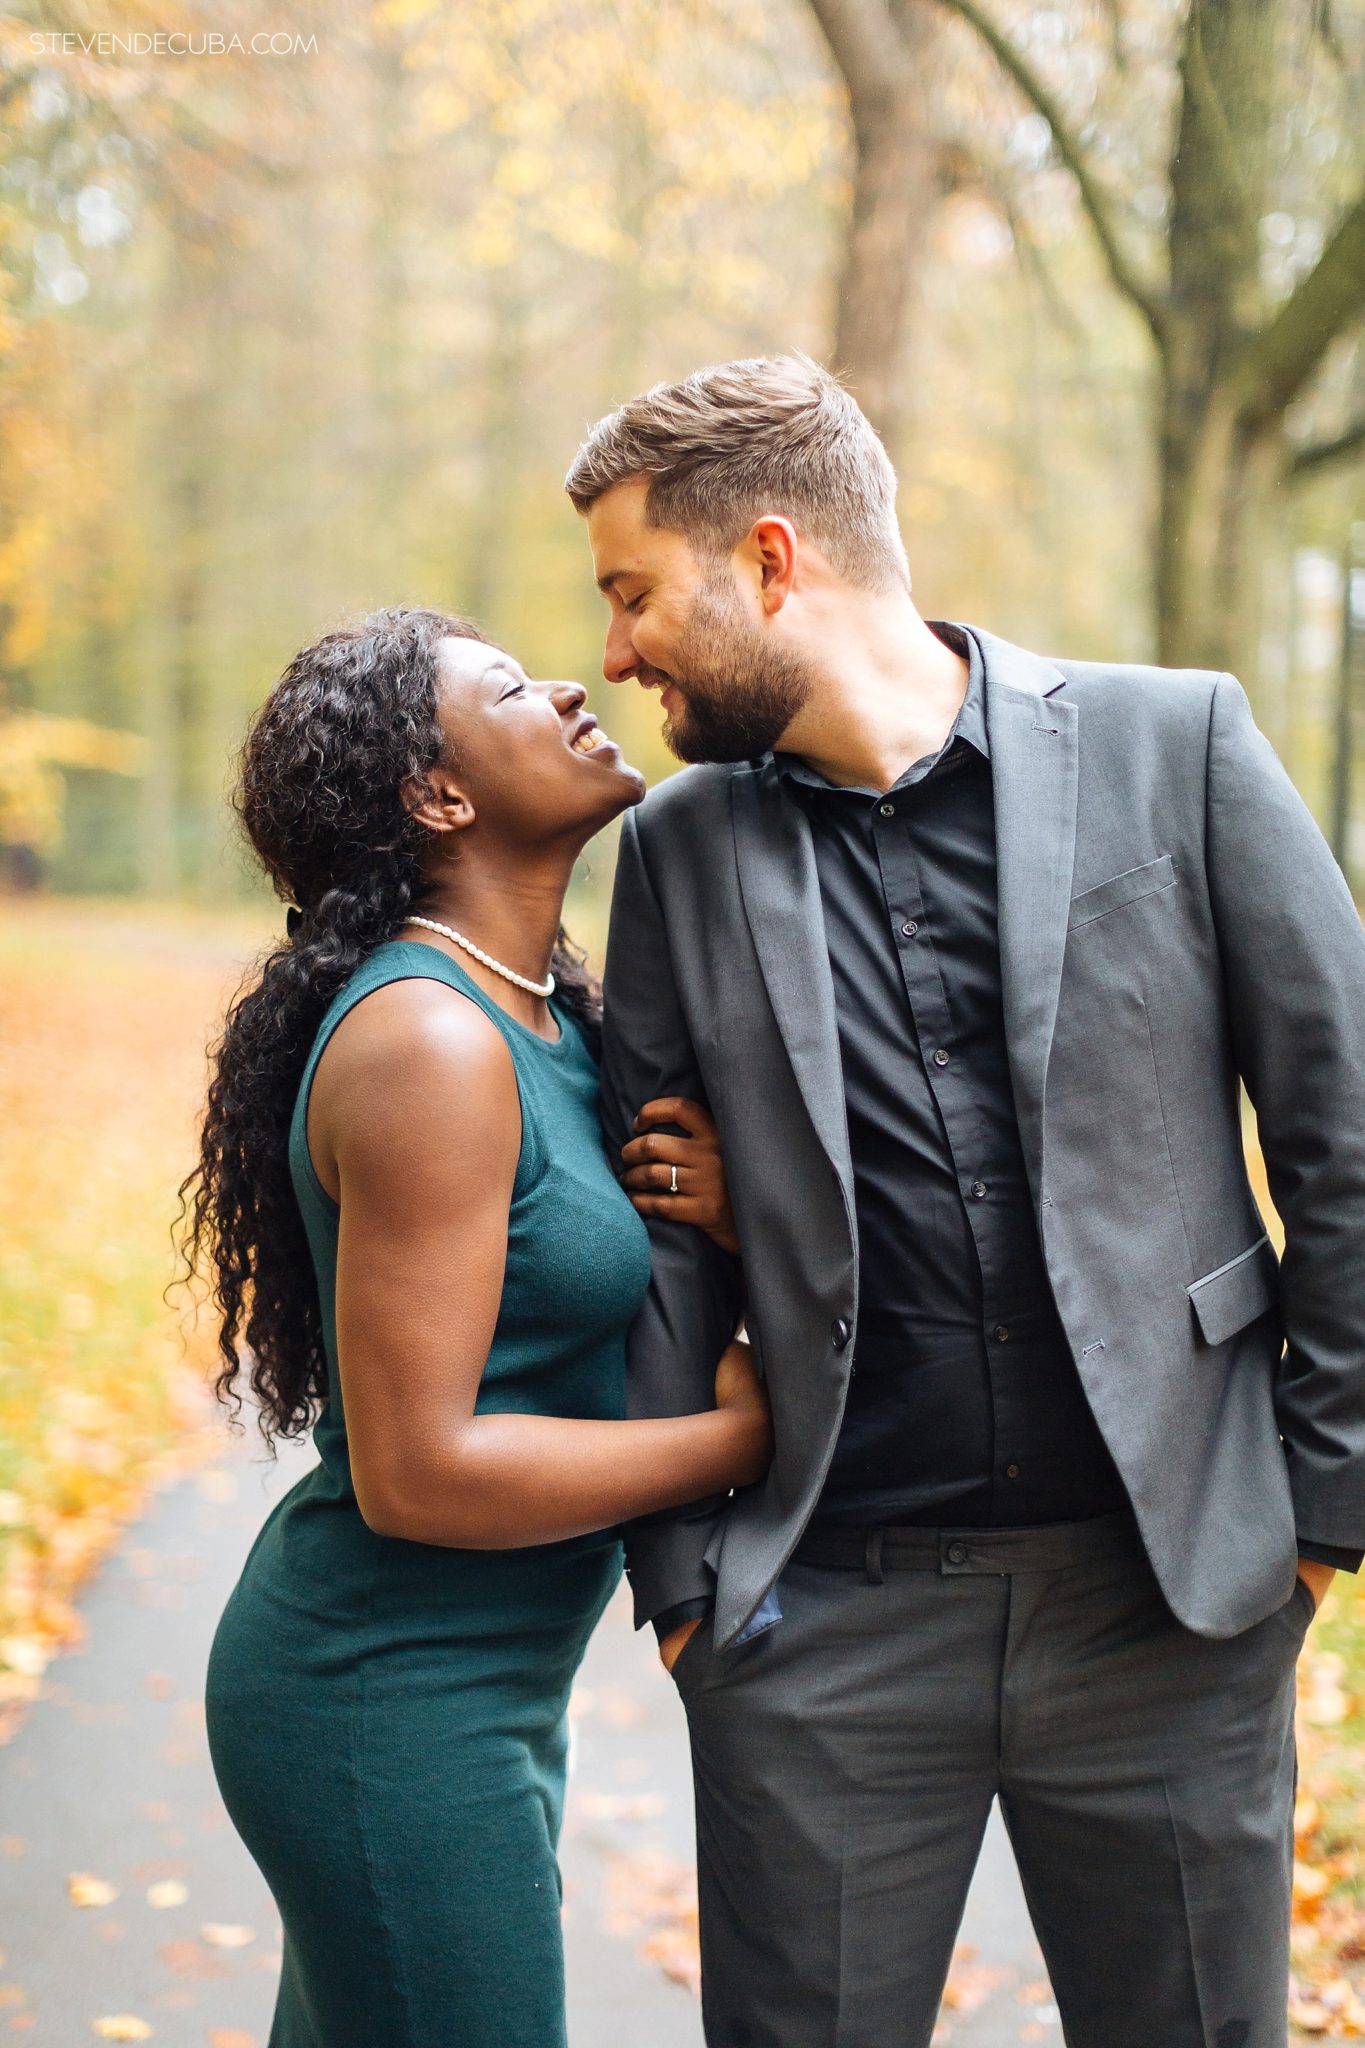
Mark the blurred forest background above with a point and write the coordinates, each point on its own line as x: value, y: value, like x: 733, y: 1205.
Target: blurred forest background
x: 285, y: 336
x: 306, y: 313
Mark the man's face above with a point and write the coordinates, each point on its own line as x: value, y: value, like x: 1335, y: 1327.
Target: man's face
x: 683, y: 626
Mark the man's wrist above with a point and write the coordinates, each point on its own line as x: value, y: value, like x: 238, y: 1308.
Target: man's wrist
x: 681, y: 1612
x: 1331, y: 1553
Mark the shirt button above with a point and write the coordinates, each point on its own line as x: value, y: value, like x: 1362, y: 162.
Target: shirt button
x: 979, y: 1191
x: 957, y: 1553
x: 1001, y: 1333
x: 940, y: 1058
x: 887, y: 810
x: 1011, y: 1471
x: 839, y: 1333
x: 909, y: 929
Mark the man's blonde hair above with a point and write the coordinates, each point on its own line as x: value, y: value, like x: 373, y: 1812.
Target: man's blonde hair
x: 765, y: 434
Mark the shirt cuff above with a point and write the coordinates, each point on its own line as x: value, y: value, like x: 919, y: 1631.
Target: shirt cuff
x: 682, y: 1611
x: 1330, y: 1553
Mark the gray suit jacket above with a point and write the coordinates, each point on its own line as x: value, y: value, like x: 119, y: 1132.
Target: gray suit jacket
x: 1170, y: 920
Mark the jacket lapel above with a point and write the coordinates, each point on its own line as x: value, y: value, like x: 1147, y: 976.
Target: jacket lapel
x: 1032, y: 730
x: 781, y: 892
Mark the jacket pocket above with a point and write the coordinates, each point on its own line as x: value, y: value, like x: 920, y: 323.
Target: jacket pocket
x: 1147, y: 880
x: 1232, y: 1296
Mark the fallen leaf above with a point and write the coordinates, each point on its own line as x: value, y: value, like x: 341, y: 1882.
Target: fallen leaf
x: 190, y: 1958
x: 84, y: 1890
x: 122, y: 2026
x: 219, y: 1935
x: 231, y: 2037
x: 170, y: 1892
x: 28, y: 1655
x: 674, y: 1950
x: 620, y: 1805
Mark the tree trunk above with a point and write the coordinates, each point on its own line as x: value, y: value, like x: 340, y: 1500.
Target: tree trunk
x: 1219, y: 465
x: 893, y: 197
x: 884, y: 51
x: 1221, y: 476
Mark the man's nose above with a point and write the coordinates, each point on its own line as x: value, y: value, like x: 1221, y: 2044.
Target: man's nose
x: 619, y: 659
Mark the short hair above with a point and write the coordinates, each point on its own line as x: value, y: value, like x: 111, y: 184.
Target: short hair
x: 761, y: 434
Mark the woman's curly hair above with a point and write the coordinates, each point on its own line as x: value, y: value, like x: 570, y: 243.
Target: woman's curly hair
x: 350, y: 723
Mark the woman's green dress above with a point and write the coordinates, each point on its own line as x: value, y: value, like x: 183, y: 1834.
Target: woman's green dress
x: 387, y: 1719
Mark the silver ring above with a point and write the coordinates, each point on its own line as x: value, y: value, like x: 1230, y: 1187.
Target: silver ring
x: 672, y: 1180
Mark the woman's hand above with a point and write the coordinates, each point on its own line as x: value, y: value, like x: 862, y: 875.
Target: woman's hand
x: 654, y: 1157
x: 740, y: 1393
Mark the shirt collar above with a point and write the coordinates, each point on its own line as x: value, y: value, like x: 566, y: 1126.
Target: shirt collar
x: 969, y: 726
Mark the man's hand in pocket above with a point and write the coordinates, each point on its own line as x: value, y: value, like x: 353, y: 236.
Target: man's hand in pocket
x: 671, y: 1648
x: 1317, y: 1577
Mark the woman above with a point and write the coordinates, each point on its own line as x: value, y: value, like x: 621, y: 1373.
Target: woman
x: 416, y: 1238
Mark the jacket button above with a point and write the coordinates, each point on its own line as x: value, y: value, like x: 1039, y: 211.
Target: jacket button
x: 958, y: 1553
x: 839, y: 1333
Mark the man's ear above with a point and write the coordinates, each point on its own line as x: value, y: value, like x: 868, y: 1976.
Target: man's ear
x: 769, y: 553
x: 437, y: 801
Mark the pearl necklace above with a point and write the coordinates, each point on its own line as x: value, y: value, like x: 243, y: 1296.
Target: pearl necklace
x: 447, y: 931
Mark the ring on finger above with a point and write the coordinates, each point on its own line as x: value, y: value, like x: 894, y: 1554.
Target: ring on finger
x: 672, y: 1180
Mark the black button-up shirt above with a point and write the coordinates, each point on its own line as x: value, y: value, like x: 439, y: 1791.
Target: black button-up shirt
x: 965, y: 1406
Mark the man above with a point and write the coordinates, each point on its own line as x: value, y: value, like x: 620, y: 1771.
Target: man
x: 967, y: 950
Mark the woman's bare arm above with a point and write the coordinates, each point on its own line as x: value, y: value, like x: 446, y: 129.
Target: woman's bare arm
x: 415, y: 1127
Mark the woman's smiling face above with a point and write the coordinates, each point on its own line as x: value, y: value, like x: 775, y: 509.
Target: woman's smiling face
x: 532, y: 761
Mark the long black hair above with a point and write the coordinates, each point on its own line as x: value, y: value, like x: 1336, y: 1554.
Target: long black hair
x: 352, y: 720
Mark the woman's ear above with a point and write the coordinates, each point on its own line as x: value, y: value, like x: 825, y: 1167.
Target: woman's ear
x: 437, y: 801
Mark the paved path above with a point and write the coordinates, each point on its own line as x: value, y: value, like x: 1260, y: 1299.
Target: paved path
x: 110, y: 1777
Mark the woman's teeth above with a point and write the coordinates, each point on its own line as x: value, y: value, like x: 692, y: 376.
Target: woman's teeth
x: 587, y: 742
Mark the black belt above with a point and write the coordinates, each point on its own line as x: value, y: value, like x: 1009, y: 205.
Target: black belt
x: 963, y: 1552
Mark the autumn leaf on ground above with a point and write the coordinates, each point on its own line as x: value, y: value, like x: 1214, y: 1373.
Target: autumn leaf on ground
x: 220, y: 1935
x: 620, y: 1805
x: 657, y: 1897
x: 170, y: 1892
x: 674, y: 1950
x: 231, y: 2037
x: 191, y: 1959
x: 970, y: 1981
x: 122, y: 2026
x: 84, y: 1890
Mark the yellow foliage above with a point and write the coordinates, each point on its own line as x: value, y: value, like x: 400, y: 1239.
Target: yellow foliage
x: 33, y: 750
x: 103, y: 1020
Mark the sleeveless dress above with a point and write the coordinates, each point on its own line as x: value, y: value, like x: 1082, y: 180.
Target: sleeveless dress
x: 387, y: 1718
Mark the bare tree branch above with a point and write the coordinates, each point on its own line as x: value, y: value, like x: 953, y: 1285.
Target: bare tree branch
x: 1273, y: 366
x: 1097, y: 202
x: 1319, y: 455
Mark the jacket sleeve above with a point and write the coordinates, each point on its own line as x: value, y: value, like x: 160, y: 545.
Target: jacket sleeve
x: 1293, y: 953
x: 693, y: 1305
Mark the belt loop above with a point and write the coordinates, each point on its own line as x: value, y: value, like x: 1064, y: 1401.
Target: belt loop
x: 875, y: 1575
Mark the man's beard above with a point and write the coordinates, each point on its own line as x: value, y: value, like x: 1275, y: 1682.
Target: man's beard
x: 741, y: 695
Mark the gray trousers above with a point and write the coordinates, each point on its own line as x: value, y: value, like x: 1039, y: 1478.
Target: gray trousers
x: 845, y: 1762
